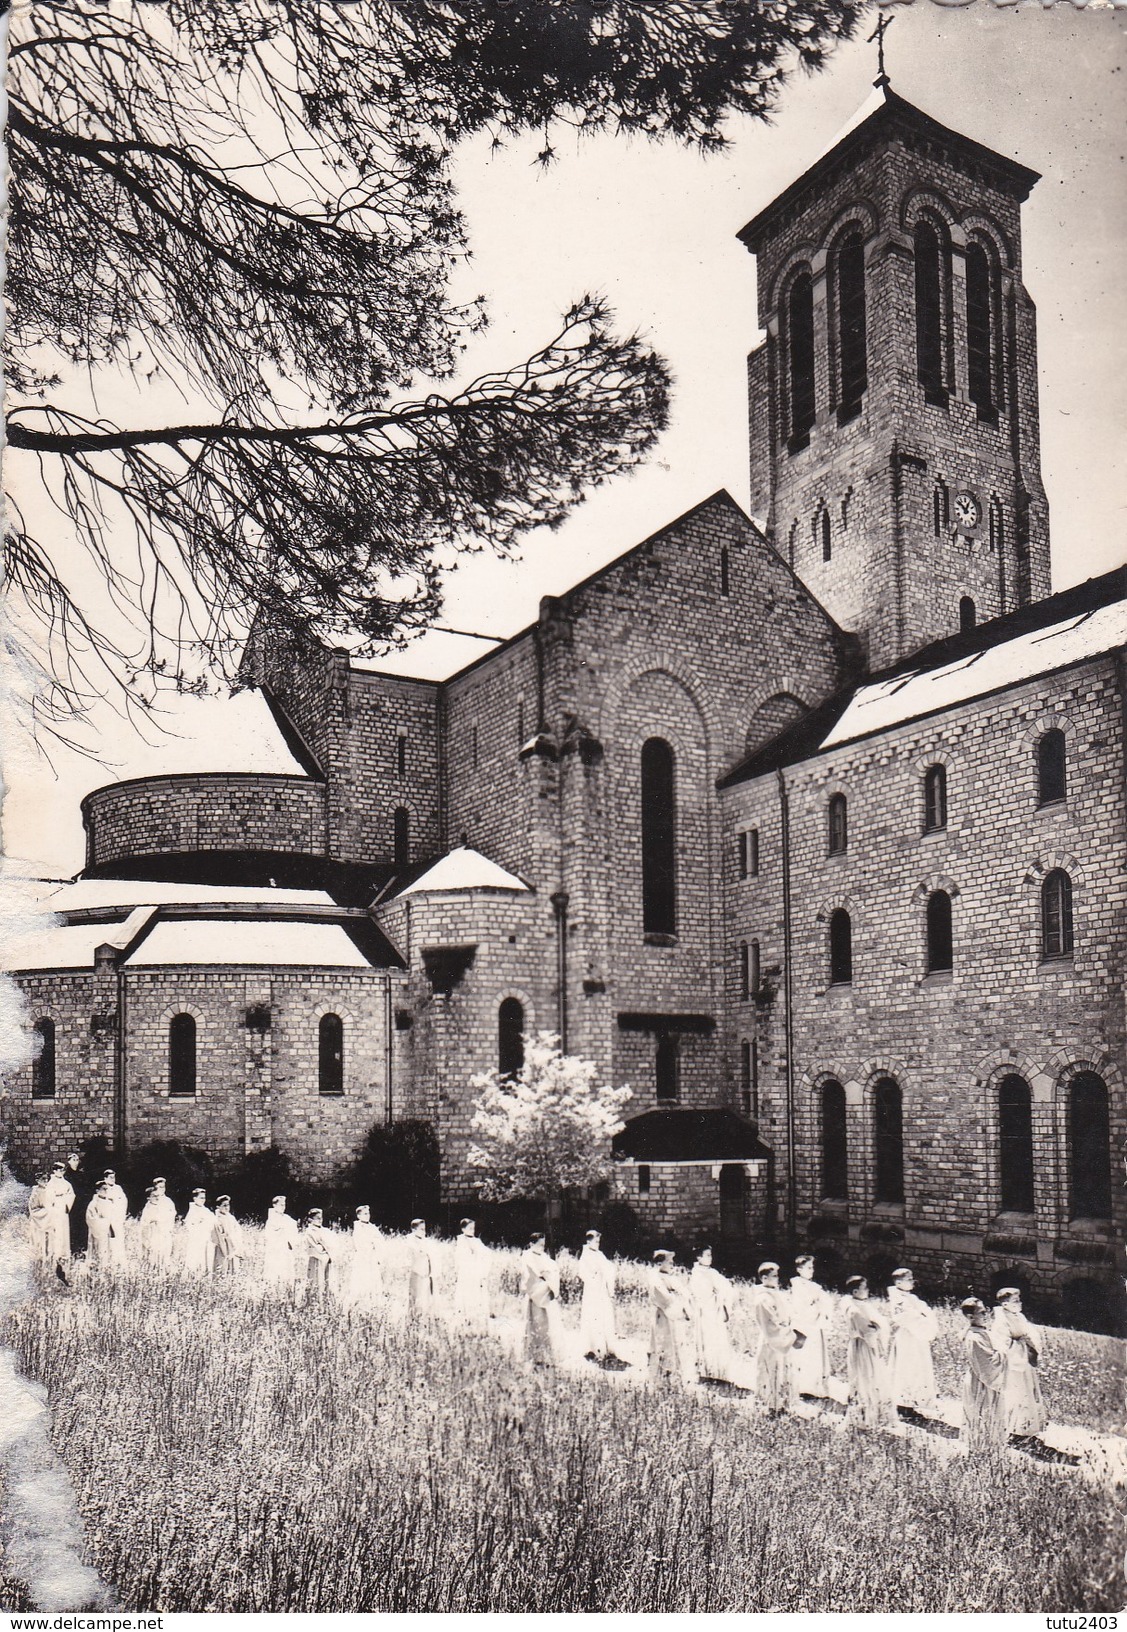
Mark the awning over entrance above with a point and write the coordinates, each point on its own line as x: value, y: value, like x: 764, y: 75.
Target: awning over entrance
x: 714, y: 1136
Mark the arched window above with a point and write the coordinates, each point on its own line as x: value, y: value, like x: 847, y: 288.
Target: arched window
x: 838, y: 825
x: 835, y: 1164
x: 940, y: 508
x: 1015, y: 1145
x: 800, y: 360
x: 659, y: 873
x: 983, y: 331
x: 968, y: 614
x: 182, y: 1056
x: 402, y: 836
x: 933, y: 260
x: 1052, y: 774
x: 667, y: 1068
x: 510, y: 1037
x: 43, y: 1066
x: 935, y: 798
x: 940, y: 947
x: 824, y: 526
x: 888, y: 1141
x: 849, y: 300
x: 1089, y: 1148
x: 330, y: 1054
x: 841, y: 948
x: 1056, y: 914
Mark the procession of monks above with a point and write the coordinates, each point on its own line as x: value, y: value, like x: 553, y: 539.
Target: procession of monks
x: 890, y: 1375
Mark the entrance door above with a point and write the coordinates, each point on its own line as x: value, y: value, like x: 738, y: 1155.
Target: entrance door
x: 733, y: 1200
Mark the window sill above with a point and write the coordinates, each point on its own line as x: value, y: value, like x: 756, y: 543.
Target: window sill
x: 340, y: 1095
x: 936, y: 396
x: 848, y: 412
x: 934, y: 832
x: 653, y: 937
x: 1055, y: 960
x: 987, y: 413
x: 182, y: 1099
x: 891, y: 1212
x: 795, y: 444
x: 1052, y: 806
x: 44, y: 1099
x: 938, y: 977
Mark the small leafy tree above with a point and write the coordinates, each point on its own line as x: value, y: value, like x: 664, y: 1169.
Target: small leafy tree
x: 546, y: 1130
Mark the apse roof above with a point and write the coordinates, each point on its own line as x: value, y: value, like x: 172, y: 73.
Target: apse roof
x: 464, y: 869
x: 98, y: 894
x: 68, y: 946
x: 247, y: 942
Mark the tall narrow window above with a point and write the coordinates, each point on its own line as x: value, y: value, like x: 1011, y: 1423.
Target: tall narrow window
x: 745, y: 972
x: 800, y: 345
x: 940, y: 943
x: 1052, y: 775
x: 402, y: 836
x: 935, y: 798
x: 510, y: 1037
x: 851, y: 337
x: 888, y: 1140
x: 835, y: 1153
x: 643, y: 1179
x: 182, y: 1056
x: 841, y: 948
x: 982, y: 341
x: 1015, y: 1145
x: 940, y: 508
x: 1056, y: 914
x: 741, y: 854
x: 931, y: 295
x: 43, y: 1066
x: 827, y: 536
x: 659, y: 889
x: 725, y: 585
x: 330, y: 1055
x: 838, y: 825
x: 1089, y: 1152
x: 968, y: 614
x: 749, y: 1078
x: 667, y: 1069
x: 401, y: 755
x: 473, y: 746
x: 997, y: 526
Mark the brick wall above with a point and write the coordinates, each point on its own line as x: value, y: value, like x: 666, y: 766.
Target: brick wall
x: 45, y: 1130
x: 948, y: 1039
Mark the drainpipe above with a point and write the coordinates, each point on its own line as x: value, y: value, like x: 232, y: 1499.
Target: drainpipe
x: 119, y: 1073
x: 559, y: 904
x: 788, y: 1005
x: 389, y: 1105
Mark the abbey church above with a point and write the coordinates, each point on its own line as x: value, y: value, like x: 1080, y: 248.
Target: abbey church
x: 811, y: 828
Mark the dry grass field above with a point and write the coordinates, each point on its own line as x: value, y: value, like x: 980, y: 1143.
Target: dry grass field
x: 233, y: 1454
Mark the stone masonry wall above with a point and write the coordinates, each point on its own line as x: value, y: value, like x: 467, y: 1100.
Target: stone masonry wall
x: 948, y: 1039
x: 167, y: 815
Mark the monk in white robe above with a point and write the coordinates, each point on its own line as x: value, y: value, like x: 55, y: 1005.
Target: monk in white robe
x: 320, y: 1250
x: 471, y: 1277
x: 914, y: 1329
x: 120, y: 1203
x: 59, y: 1196
x: 279, y: 1249
x: 811, y: 1311
x: 228, y: 1239
x: 365, y: 1270
x: 158, y: 1220
x: 870, y: 1403
x: 984, y: 1400
x: 540, y: 1284
x: 197, y: 1239
x: 420, y: 1270
x: 100, y: 1214
x: 1019, y: 1344
x: 670, y: 1334
x: 38, y: 1220
x: 596, y: 1311
x: 777, y: 1337
x: 711, y: 1297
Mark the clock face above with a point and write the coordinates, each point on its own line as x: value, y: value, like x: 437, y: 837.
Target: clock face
x: 968, y: 512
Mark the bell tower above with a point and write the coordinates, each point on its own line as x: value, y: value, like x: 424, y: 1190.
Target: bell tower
x: 894, y: 431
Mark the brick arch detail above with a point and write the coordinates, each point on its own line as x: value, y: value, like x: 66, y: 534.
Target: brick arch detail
x: 1047, y: 722
x: 831, y: 903
x: 522, y: 997
x: 345, y: 1015
x: 1038, y: 870
x: 1066, y: 1063
x: 937, y: 756
x: 174, y: 1009
x: 988, y: 232
x: 936, y: 881
x: 1004, y: 1062
x: 799, y: 260
x: 859, y: 212
x: 627, y: 678
x: 870, y: 1071
x: 925, y: 200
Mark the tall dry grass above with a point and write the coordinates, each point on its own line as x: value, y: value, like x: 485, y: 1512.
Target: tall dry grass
x: 233, y: 1453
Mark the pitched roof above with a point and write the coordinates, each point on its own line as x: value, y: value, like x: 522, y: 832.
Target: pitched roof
x: 886, y: 118
x: 716, y: 1135
x: 1049, y: 635
x: 464, y: 869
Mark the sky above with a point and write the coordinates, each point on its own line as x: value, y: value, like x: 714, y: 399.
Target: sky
x: 651, y: 226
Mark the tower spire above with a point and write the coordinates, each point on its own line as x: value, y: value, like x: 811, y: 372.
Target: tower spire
x: 883, y: 25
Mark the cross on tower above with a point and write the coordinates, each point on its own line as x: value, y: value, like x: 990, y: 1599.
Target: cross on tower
x: 883, y: 25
